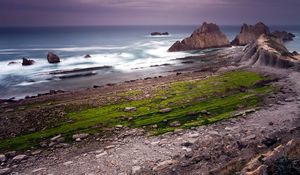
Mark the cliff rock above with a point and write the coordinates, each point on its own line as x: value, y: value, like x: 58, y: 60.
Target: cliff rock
x: 250, y: 33
x: 207, y: 36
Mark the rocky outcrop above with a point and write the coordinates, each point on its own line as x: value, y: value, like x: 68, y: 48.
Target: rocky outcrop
x: 269, y: 51
x: 87, y: 56
x: 283, y: 35
x: 27, y: 62
x: 250, y: 33
x: 207, y: 36
x: 159, y: 33
x: 52, y: 58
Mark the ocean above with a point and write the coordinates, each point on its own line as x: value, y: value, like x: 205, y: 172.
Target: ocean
x: 125, y: 48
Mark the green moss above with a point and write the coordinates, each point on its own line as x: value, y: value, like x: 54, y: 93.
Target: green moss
x: 219, y: 96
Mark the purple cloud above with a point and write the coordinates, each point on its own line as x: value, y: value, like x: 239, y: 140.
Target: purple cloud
x: 122, y: 12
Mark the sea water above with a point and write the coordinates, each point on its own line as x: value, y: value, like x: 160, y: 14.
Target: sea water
x: 125, y: 48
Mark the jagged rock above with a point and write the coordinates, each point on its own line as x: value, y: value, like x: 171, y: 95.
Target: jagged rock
x: 87, y: 56
x: 52, y: 58
x: 159, y: 33
x: 207, y: 36
x: 283, y: 35
x: 268, y: 51
x: 250, y: 33
x: 27, y: 62
x: 259, y: 165
x: 295, y: 53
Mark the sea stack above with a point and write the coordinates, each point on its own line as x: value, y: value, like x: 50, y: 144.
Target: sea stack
x: 207, y: 36
x: 269, y: 51
x: 27, y: 62
x: 250, y: 33
x: 52, y: 58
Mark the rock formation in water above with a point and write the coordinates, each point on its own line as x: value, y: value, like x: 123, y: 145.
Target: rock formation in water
x: 27, y: 62
x: 159, y: 33
x: 269, y: 51
x: 87, y: 56
x: 207, y: 36
x: 250, y: 33
x: 52, y: 58
x: 283, y: 35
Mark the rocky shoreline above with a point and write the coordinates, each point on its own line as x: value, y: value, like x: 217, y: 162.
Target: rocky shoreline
x: 214, y: 114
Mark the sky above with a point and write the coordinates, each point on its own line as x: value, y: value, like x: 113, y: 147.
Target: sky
x: 147, y: 12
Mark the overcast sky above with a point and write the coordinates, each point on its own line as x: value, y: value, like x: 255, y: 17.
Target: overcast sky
x: 140, y: 12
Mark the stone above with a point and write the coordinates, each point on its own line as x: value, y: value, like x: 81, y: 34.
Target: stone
x: 52, y: 58
x: 130, y: 109
x: 11, y: 154
x: 175, y: 124
x: 68, y: 163
x: 27, y: 62
x: 269, y: 141
x: 193, y: 135
x: 2, y: 158
x: 4, y: 171
x: 250, y: 33
x: 289, y: 99
x: 38, y: 170
x: 36, y: 152
x: 164, y: 164
x: 87, y: 56
x: 20, y: 157
x: 12, y: 63
x: 109, y: 147
x: 165, y: 110
x: 136, y: 169
x: 80, y: 136
x: 207, y: 36
x: 101, y: 154
x: 53, y: 139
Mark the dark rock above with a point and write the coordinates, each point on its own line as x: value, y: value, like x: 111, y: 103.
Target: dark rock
x: 12, y: 62
x: 269, y: 141
x: 87, y: 56
x: 206, y: 36
x: 159, y: 33
x: 27, y: 62
x: 250, y: 33
x: 295, y: 53
x: 52, y: 58
x: 283, y: 35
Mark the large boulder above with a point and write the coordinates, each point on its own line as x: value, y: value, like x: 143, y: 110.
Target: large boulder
x: 52, y: 58
x: 250, y: 33
x: 283, y: 35
x: 27, y: 62
x: 207, y: 36
x: 269, y: 51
